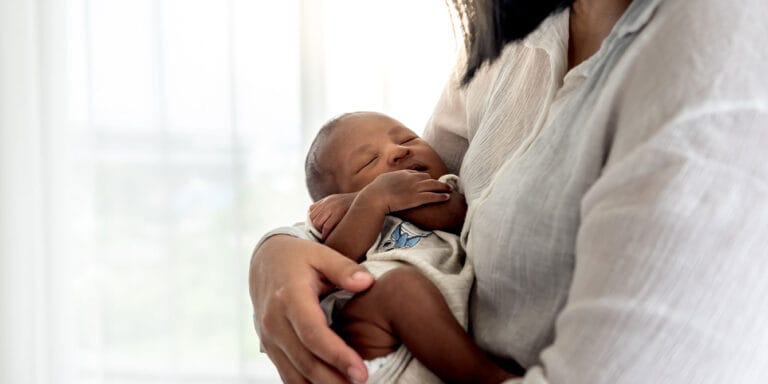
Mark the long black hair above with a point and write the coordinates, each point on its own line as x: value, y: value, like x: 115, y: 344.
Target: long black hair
x: 488, y: 25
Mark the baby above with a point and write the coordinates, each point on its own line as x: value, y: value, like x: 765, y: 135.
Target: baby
x: 380, y: 201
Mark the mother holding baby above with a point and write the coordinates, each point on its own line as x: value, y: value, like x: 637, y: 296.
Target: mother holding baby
x: 614, y: 155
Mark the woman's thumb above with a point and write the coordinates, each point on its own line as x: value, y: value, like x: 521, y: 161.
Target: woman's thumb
x: 345, y: 273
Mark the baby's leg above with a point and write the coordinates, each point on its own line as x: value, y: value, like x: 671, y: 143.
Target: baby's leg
x: 404, y: 306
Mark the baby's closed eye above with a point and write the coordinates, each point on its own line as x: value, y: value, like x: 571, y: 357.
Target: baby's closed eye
x: 368, y: 163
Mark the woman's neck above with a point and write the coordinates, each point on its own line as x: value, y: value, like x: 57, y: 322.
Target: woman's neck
x: 590, y: 22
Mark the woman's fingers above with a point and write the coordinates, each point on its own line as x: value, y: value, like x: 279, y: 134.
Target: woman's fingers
x: 309, y: 323
x: 343, y: 272
x: 316, y: 345
x: 322, y: 341
x: 297, y: 363
x: 288, y: 374
x: 287, y: 276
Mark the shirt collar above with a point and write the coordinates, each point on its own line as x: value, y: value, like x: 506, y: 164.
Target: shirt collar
x: 551, y: 35
x: 637, y: 15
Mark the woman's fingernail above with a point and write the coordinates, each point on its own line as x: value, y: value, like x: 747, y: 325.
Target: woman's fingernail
x: 360, y: 275
x: 356, y: 375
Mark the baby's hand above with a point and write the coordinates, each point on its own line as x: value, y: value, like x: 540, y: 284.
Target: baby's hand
x: 326, y: 213
x: 405, y: 189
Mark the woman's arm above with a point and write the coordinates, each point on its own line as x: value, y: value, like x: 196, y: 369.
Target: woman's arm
x: 672, y: 255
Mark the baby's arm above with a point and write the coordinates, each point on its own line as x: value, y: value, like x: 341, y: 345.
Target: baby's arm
x: 445, y: 216
x: 388, y: 193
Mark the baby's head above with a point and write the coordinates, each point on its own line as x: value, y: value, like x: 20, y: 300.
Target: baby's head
x: 353, y: 149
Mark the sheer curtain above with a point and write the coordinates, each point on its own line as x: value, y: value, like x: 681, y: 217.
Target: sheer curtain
x: 145, y: 145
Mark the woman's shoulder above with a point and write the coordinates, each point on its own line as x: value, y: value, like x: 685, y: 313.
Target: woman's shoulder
x: 700, y: 53
x: 544, y: 48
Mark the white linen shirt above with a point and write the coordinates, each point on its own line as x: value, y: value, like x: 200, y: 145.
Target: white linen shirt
x: 626, y: 240
x: 492, y: 122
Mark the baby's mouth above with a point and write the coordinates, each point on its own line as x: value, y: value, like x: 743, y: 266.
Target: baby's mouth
x: 417, y: 167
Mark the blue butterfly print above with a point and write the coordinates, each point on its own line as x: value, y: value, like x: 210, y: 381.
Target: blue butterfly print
x: 401, y: 238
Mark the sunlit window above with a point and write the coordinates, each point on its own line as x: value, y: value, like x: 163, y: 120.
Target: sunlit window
x: 186, y: 126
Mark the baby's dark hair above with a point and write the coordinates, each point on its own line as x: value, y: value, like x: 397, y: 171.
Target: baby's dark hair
x: 320, y: 179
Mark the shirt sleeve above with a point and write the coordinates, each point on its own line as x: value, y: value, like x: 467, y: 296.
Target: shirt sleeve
x: 672, y: 257
x: 670, y: 282
x: 299, y: 230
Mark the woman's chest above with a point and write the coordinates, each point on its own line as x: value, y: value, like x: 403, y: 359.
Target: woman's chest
x: 522, y: 227
x: 505, y: 117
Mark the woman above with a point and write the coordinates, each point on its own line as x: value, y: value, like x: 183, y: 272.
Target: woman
x: 620, y: 239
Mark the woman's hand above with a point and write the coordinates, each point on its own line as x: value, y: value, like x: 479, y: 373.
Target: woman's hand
x: 287, y: 276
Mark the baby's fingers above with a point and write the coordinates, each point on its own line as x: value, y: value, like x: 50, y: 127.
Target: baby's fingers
x: 331, y: 223
x: 318, y: 219
x: 432, y: 185
x: 432, y: 197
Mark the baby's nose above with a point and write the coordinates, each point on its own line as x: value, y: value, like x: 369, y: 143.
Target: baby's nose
x: 399, y: 154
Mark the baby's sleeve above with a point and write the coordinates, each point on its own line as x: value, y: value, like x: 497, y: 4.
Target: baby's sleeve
x: 453, y: 181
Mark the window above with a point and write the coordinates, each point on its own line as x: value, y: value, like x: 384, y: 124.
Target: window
x: 178, y: 139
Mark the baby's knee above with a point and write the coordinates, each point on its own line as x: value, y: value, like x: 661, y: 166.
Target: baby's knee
x: 401, y: 278
x: 406, y: 284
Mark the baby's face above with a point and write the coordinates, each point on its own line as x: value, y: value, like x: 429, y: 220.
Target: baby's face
x: 366, y: 145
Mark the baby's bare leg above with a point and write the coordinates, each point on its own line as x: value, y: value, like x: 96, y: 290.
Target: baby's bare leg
x: 365, y: 326
x: 405, y: 307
